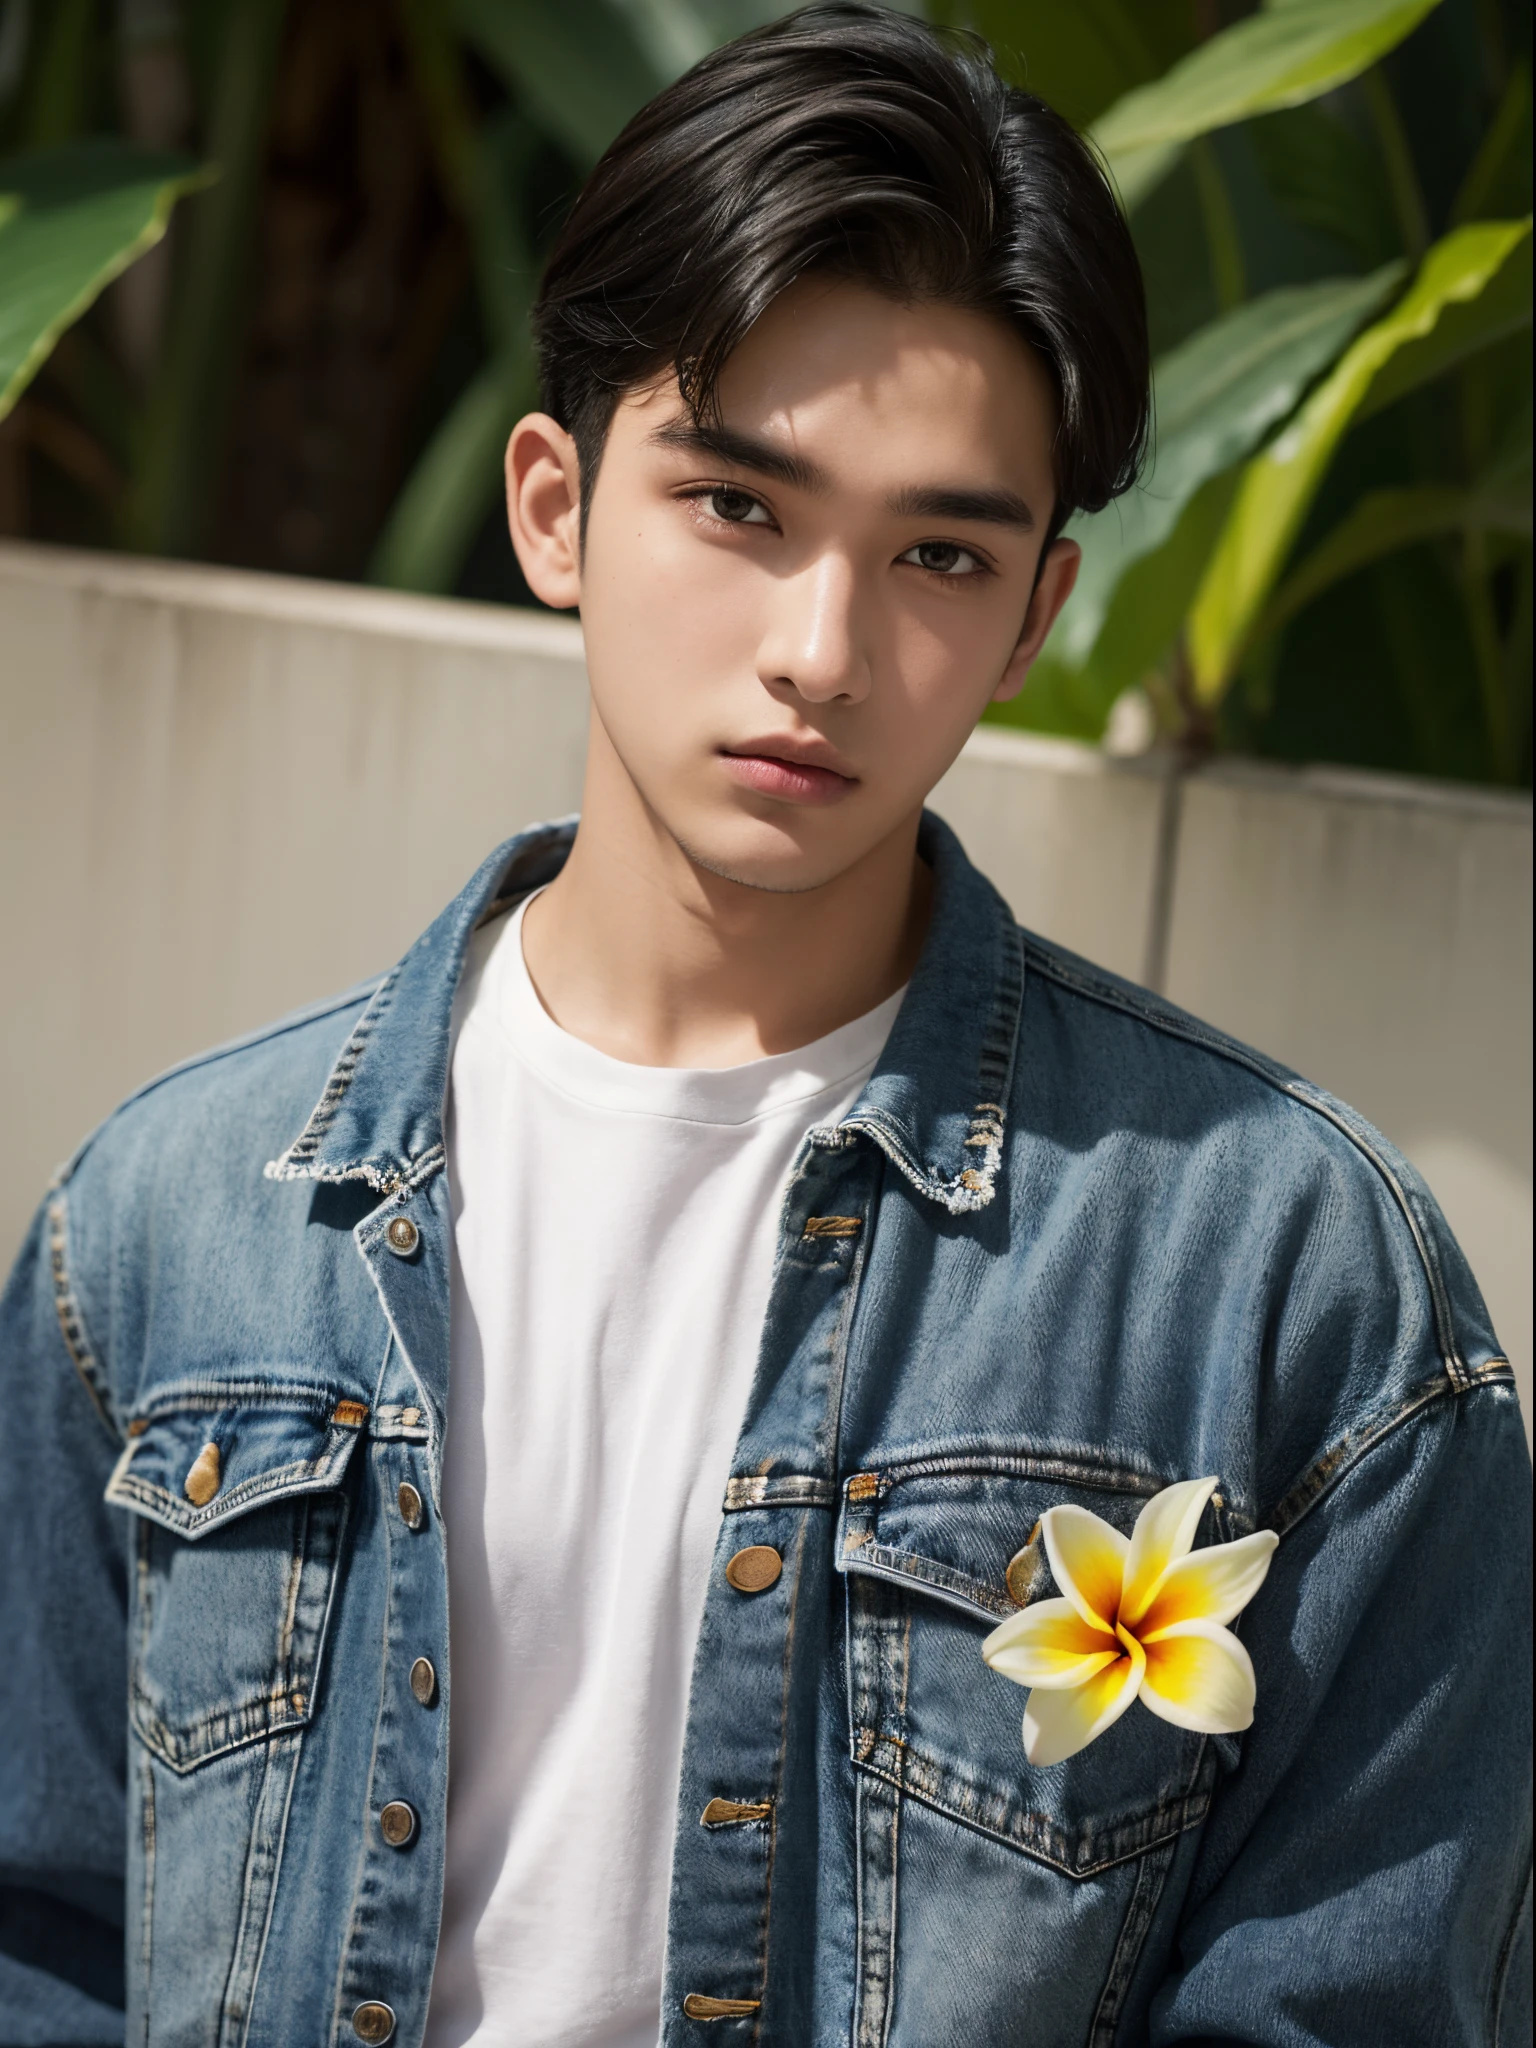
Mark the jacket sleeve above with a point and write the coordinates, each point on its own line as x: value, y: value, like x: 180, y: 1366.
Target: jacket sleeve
x: 63, y: 1672
x: 1365, y: 1874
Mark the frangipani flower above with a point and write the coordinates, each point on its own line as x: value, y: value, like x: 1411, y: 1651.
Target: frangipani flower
x: 1143, y: 1618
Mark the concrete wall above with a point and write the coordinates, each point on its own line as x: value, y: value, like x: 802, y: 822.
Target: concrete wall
x: 223, y: 795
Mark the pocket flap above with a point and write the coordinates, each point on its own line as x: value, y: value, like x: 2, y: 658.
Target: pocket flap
x: 199, y: 1456
x: 951, y: 1525
x: 925, y: 1546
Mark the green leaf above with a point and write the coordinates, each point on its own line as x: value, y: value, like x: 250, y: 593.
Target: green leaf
x: 1281, y: 483
x: 580, y: 65
x: 1466, y: 324
x: 443, y: 503
x: 1216, y: 397
x: 1326, y: 178
x: 1291, y: 52
x: 1080, y: 59
x: 1140, y: 626
x: 1498, y: 184
x: 71, y: 220
x: 1384, y: 521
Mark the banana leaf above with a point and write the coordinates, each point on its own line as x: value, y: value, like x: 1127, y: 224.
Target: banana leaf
x: 1080, y: 59
x: 71, y: 220
x: 1290, y: 52
x: 1327, y: 178
x: 580, y: 66
x: 1452, y: 286
x: 1382, y: 522
x: 1217, y: 396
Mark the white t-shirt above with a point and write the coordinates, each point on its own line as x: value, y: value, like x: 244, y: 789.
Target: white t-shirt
x: 614, y: 1231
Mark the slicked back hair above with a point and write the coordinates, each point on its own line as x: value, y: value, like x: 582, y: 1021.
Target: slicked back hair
x: 849, y: 141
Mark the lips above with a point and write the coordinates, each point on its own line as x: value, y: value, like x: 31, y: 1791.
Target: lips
x: 791, y: 771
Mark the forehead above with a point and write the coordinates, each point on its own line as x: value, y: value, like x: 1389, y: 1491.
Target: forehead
x: 866, y: 384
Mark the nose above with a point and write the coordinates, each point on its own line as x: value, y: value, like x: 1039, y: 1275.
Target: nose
x: 813, y: 645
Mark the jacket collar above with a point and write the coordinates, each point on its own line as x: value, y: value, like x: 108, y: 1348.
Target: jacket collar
x: 935, y: 1104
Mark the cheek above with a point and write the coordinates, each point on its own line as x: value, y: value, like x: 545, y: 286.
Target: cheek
x: 671, y: 630
x: 656, y: 592
x: 951, y: 651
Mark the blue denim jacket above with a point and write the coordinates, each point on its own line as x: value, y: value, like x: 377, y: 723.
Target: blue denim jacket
x: 1070, y: 1245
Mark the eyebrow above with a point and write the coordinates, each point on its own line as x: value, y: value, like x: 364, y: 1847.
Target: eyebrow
x: 979, y: 504
x: 743, y: 451
x: 990, y: 507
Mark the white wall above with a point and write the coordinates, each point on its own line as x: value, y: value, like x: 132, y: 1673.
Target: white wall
x: 222, y: 795
x: 1375, y: 934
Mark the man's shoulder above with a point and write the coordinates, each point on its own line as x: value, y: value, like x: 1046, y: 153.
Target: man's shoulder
x: 1273, y: 1213
x: 1118, y: 1049
x: 252, y: 1091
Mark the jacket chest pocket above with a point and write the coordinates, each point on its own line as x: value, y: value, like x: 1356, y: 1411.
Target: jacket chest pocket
x: 239, y: 1511
x: 926, y: 1548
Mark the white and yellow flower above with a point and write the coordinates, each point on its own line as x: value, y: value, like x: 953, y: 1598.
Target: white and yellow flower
x: 1144, y: 1618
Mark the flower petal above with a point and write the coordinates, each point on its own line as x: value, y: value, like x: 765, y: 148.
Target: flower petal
x: 1049, y: 1644
x: 1088, y: 1561
x: 1198, y: 1675
x: 1058, y: 1724
x: 1164, y: 1531
x: 1213, y: 1584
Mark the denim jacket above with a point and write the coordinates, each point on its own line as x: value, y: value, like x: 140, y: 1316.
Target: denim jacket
x: 1070, y: 1245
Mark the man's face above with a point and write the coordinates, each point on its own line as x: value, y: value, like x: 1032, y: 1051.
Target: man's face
x: 793, y: 621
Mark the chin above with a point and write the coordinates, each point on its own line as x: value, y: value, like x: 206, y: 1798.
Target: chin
x: 779, y: 867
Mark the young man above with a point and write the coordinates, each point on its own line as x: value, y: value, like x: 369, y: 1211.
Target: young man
x: 727, y: 1267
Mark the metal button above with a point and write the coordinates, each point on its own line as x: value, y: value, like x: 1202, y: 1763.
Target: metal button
x: 1027, y: 1570
x: 755, y: 1569
x: 398, y: 1823
x: 202, y: 1481
x: 373, y: 2021
x: 413, y: 1509
x: 402, y: 1236
x: 424, y: 1681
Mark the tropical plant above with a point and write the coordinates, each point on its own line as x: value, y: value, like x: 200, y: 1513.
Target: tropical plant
x: 71, y: 220
x: 1330, y: 552
x: 1329, y: 555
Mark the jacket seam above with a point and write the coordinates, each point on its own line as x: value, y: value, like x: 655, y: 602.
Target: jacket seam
x: 1163, y: 1821
x: 1349, y: 1451
x: 1146, y: 1893
x: 71, y: 1318
x: 148, y: 1838
x: 360, y: 1870
x: 777, y: 1793
x: 1506, y: 1957
x: 1191, y: 1032
x: 278, y: 1847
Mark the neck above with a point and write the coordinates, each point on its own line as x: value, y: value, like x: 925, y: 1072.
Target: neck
x: 653, y: 959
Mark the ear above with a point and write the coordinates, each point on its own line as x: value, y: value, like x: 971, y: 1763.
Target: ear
x: 1058, y: 573
x: 544, y: 508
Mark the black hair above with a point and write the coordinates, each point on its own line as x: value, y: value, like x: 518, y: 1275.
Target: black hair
x: 854, y: 141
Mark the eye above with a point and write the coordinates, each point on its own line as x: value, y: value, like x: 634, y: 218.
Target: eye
x: 944, y: 558
x: 737, y: 508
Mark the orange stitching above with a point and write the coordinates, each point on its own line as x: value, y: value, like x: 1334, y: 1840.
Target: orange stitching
x: 832, y: 1226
